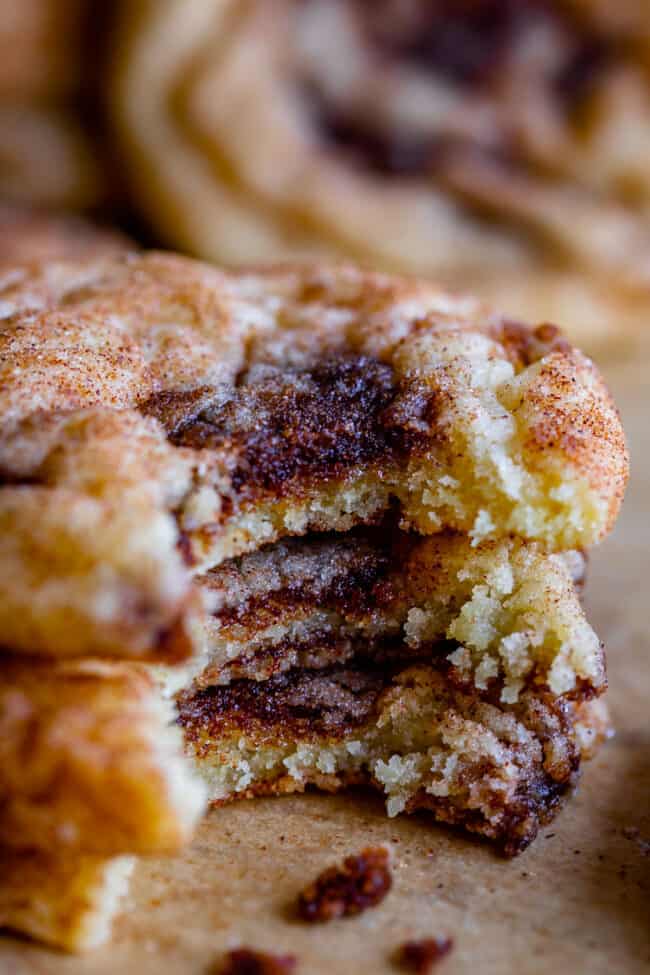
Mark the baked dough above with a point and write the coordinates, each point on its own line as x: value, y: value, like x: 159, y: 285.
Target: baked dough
x: 41, y: 46
x: 502, y: 148
x: 48, y: 65
x: 160, y: 416
x: 162, y: 421
x: 90, y: 762
x: 424, y: 739
x: 68, y: 902
x: 382, y: 595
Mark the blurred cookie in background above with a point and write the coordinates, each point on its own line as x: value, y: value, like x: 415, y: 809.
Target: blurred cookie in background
x: 48, y: 159
x: 40, y: 47
x: 50, y: 152
x: 29, y: 235
x: 502, y: 146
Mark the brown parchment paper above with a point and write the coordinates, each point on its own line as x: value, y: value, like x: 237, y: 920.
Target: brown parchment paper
x: 577, y: 902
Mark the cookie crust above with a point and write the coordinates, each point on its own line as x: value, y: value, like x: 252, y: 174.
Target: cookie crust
x: 137, y: 386
x: 90, y: 764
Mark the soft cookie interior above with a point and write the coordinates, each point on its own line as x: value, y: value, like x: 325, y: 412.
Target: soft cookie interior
x: 418, y: 734
x: 503, y: 613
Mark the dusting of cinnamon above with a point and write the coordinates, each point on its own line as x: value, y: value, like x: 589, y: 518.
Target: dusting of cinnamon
x: 362, y: 882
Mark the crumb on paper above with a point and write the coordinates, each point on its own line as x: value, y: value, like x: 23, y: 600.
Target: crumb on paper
x: 362, y: 882
x: 245, y: 961
x: 420, y: 956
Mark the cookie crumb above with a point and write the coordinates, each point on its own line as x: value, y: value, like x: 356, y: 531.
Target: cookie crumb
x: 362, y: 882
x: 244, y: 961
x: 420, y: 956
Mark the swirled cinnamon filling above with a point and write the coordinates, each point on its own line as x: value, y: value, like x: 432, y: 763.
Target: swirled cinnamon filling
x: 462, y: 74
x: 333, y: 701
x: 416, y: 734
x: 286, y: 428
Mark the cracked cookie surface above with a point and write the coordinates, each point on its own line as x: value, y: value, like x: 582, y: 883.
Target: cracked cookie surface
x: 193, y: 414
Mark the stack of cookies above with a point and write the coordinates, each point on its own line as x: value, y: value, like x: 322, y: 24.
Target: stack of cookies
x: 337, y: 520
x: 91, y: 766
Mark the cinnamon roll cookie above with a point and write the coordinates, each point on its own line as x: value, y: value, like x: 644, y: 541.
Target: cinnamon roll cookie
x: 90, y: 762
x: 418, y: 735
x: 501, y: 147
x: 452, y: 677
x: 40, y: 47
x: 160, y: 416
x: 382, y: 594
x: 351, y: 507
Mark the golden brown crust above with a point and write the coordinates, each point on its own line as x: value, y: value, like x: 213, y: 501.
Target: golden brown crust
x: 91, y: 576
x: 66, y: 901
x: 88, y: 763
x: 263, y: 404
